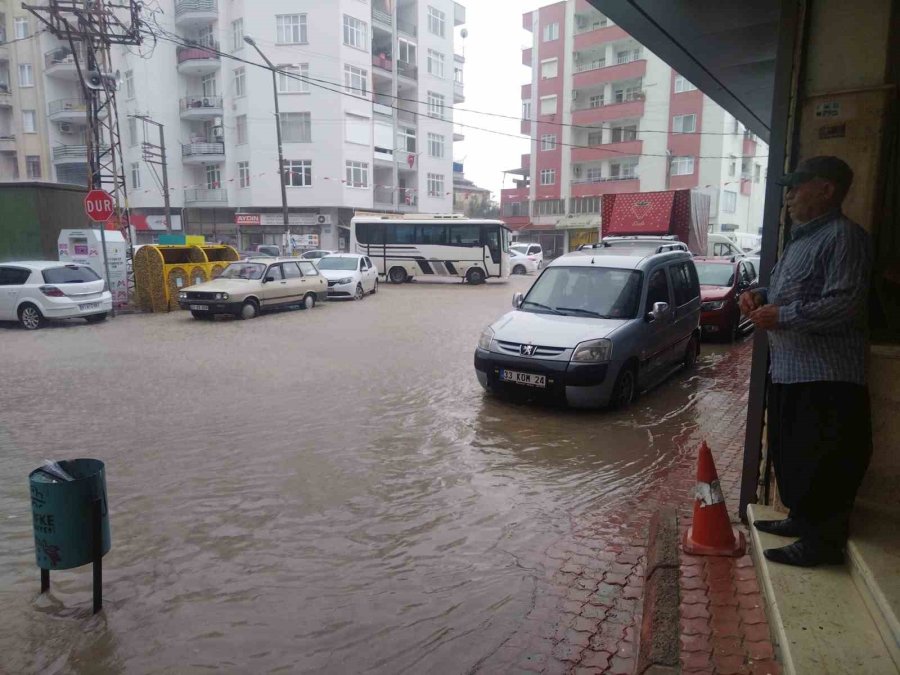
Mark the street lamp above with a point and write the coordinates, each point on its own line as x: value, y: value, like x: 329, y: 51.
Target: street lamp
x: 281, y: 176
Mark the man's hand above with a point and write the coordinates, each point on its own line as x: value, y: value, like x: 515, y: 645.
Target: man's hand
x: 766, y: 317
x: 749, y: 301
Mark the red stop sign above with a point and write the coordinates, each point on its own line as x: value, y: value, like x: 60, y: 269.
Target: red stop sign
x: 99, y: 205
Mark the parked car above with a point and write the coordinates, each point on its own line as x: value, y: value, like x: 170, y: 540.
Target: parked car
x: 519, y: 263
x: 721, y: 245
x: 595, y: 328
x: 349, y: 275
x: 31, y: 292
x: 267, y: 249
x: 529, y: 249
x: 316, y: 255
x: 722, y: 280
x: 246, y: 288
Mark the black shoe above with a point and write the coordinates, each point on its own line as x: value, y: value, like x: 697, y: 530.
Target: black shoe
x: 789, y: 527
x: 805, y: 554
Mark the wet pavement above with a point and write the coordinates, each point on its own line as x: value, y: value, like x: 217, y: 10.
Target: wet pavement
x: 325, y: 490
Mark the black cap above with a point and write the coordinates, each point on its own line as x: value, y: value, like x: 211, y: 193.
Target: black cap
x: 826, y: 166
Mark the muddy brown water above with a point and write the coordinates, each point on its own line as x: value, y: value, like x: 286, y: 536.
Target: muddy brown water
x: 310, y: 491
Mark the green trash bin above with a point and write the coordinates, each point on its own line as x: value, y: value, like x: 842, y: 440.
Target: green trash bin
x: 62, y: 514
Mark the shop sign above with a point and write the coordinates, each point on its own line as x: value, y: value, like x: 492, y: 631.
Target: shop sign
x: 246, y: 219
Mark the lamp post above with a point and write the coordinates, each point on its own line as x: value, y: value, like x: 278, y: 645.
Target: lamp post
x: 284, y: 207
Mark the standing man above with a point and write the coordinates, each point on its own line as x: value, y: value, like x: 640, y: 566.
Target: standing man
x: 814, y: 312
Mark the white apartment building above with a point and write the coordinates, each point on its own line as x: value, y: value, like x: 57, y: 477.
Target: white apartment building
x: 371, y: 129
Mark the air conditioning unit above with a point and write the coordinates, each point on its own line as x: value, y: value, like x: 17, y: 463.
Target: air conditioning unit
x: 576, y: 170
x: 65, y: 128
x: 218, y: 132
x: 207, y: 103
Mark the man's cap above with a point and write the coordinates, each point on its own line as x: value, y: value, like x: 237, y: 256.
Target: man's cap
x: 826, y: 166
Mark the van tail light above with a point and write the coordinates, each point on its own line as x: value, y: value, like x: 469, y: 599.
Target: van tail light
x: 52, y: 292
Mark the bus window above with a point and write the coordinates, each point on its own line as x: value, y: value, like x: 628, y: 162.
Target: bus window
x: 403, y: 234
x: 376, y: 234
x: 465, y: 235
x: 432, y: 234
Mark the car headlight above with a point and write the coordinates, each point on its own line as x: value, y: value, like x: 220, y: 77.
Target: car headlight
x: 182, y: 295
x: 484, y: 341
x: 221, y: 296
x: 592, y: 351
x: 712, y: 305
x: 345, y: 280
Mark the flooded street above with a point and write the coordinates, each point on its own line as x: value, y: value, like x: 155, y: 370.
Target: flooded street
x: 311, y: 491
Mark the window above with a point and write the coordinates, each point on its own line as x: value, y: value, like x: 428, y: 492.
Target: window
x: 435, y: 63
x: 29, y: 121
x: 465, y: 235
x: 356, y: 80
x: 526, y: 110
x: 685, y: 284
x: 407, y: 52
x: 296, y: 127
x: 14, y: 276
x: 548, y: 105
x: 551, y: 32
x: 578, y: 205
x: 308, y: 269
x: 244, y: 174
x: 624, y: 133
x: 432, y: 234
x: 135, y: 175
x: 549, y: 68
x: 290, y: 29
x: 240, y: 125
x: 595, y: 101
x: 548, y: 176
x: 732, y: 166
x: 132, y: 132
x: 435, y: 105
x: 682, y: 166
x: 657, y: 289
x: 437, y: 22
x: 436, y: 145
x: 208, y: 85
x: 33, y: 166
x: 404, y: 234
x: 291, y: 271
x: 757, y: 173
x: 237, y: 35
x: 20, y: 24
x: 407, y: 138
x: 355, y: 32
x: 595, y: 138
x: 358, y: 129
x: 128, y: 80
x: 729, y: 201
x: 548, y: 142
x: 684, y: 124
x: 631, y: 92
x: 435, y: 185
x: 274, y: 273
x: 549, y: 207
x: 623, y: 170
x: 213, y: 177
x: 746, y: 167
x: 357, y: 174
x: 682, y: 85
x: 594, y: 174
x: 297, y: 172
x: 293, y: 78
x: 26, y: 75
x: 628, y: 55
x: 240, y: 82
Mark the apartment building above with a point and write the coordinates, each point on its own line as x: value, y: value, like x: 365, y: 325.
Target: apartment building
x: 365, y: 100
x: 605, y: 115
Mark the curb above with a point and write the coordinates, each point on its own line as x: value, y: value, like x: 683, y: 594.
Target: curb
x: 659, y: 652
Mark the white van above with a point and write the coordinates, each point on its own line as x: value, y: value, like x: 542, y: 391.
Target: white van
x: 721, y: 246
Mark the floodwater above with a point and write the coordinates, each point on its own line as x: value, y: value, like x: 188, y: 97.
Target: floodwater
x: 311, y: 491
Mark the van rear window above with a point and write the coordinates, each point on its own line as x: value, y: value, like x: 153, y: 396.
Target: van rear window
x: 69, y: 274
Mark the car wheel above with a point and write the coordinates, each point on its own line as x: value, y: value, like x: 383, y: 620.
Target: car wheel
x: 475, y: 276
x: 625, y: 387
x: 690, y: 354
x: 249, y: 310
x: 96, y: 318
x: 375, y: 287
x: 519, y: 269
x: 397, y: 275
x: 309, y: 301
x: 360, y: 293
x: 31, y: 317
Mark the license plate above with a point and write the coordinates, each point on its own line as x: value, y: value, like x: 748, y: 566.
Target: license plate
x: 527, y: 379
x: 199, y: 308
x: 89, y: 305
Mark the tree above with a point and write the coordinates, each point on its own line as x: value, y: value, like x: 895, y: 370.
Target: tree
x: 482, y: 207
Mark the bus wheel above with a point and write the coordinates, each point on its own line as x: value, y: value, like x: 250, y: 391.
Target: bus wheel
x: 475, y: 276
x: 397, y: 275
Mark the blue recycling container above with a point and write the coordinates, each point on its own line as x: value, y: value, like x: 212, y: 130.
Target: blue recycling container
x: 61, y: 512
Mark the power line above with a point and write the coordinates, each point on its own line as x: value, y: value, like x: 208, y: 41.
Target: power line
x: 23, y: 39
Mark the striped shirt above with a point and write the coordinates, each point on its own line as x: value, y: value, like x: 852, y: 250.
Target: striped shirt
x: 821, y: 287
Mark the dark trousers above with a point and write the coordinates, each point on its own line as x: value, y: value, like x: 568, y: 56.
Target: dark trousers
x: 820, y: 440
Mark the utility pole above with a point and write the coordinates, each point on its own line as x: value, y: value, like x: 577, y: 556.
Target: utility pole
x: 156, y: 155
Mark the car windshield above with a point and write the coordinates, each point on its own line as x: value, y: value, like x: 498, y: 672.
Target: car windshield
x: 715, y: 274
x: 335, y: 263
x: 70, y: 274
x: 243, y: 271
x: 519, y: 248
x: 586, y: 291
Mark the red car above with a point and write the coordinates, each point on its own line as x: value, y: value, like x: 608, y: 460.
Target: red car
x: 722, y: 280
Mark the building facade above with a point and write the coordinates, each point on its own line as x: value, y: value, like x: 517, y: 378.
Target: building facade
x: 605, y: 115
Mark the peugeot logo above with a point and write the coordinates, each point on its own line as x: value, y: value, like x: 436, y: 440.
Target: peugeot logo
x: 527, y: 350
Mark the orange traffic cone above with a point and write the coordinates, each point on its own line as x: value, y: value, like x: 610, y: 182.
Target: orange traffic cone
x: 711, y: 532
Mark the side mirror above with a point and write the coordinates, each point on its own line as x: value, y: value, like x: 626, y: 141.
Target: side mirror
x: 659, y: 309
x: 517, y: 300
x: 268, y: 279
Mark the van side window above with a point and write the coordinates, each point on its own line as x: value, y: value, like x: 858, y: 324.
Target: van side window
x: 682, y: 284
x: 657, y: 289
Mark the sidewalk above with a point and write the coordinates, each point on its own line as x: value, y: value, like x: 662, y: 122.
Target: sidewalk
x: 586, y: 616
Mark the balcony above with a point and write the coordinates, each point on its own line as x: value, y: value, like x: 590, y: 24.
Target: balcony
x: 593, y: 37
x: 384, y: 109
x: 591, y: 187
x: 203, y: 153
x: 607, y: 113
x: 459, y: 92
x: 595, y: 77
x: 526, y: 57
x: 68, y: 110
x: 70, y: 154
x: 407, y: 70
x: 60, y: 62
x: 459, y: 14
x: 598, y: 153
x: 382, y: 62
x: 7, y: 142
x: 198, y: 60
x: 201, y: 107
x: 407, y: 117
x: 409, y: 201
x: 381, y: 12
x: 406, y: 27
x: 5, y: 96
x: 190, y: 13
x: 205, y: 197
x: 384, y: 197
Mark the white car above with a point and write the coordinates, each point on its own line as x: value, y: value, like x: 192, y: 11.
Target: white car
x: 533, y: 251
x: 32, y: 292
x: 349, y: 275
x: 314, y: 256
x: 522, y: 264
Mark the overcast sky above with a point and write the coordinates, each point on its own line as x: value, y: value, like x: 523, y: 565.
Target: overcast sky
x: 494, y: 75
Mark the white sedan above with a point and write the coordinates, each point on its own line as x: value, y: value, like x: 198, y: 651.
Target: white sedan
x: 34, y: 291
x: 522, y: 264
x: 349, y: 275
x: 316, y: 255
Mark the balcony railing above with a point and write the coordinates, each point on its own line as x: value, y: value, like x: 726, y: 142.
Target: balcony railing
x: 516, y: 210
x: 382, y: 16
x: 200, y: 102
x: 64, y: 56
x: 202, y: 149
x: 589, y: 26
x: 407, y: 70
x: 74, y: 105
x: 215, y: 195
x: 605, y: 179
x: 596, y: 64
x: 70, y: 152
x: 190, y: 6
x: 383, y: 109
x: 382, y: 61
x: 407, y: 116
x: 384, y: 196
x: 197, y: 53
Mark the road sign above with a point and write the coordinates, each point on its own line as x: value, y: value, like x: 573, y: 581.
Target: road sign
x: 99, y: 205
